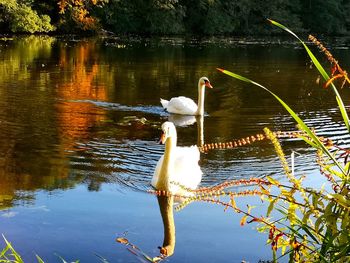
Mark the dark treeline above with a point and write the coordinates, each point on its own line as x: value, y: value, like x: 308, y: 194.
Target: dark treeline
x: 170, y: 17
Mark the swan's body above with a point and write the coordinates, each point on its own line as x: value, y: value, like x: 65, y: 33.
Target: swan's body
x: 178, y: 167
x: 186, y: 106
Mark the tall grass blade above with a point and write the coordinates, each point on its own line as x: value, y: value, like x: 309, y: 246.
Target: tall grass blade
x: 17, y: 257
x: 39, y: 259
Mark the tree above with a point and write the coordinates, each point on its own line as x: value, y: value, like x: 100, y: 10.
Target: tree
x: 16, y: 16
x: 144, y: 17
x: 76, y: 14
x: 325, y: 16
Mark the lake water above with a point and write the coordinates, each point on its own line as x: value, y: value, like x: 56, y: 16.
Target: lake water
x: 77, y: 157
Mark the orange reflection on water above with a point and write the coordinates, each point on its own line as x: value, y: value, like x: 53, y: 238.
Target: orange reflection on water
x: 81, y: 82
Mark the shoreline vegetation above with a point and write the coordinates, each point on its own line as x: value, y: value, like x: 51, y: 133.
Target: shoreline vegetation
x: 173, y: 17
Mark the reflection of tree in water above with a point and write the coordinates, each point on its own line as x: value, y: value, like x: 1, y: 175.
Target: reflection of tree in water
x: 33, y: 151
x: 45, y: 84
x: 9, y: 200
x: 78, y: 82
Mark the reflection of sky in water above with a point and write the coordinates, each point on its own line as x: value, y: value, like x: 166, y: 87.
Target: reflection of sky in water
x: 94, y: 219
x: 78, y: 143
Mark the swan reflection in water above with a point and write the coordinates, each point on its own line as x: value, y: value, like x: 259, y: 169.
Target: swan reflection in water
x: 166, y: 204
x: 187, y: 120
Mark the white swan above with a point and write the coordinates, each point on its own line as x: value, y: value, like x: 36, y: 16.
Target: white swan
x: 186, y: 106
x: 178, y: 165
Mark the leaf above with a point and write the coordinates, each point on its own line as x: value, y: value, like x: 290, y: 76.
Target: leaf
x: 249, y: 208
x: 291, y: 214
x: 307, y: 230
x: 264, y: 191
x: 243, y: 220
x: 341, y: 200
x: 271, y: 207
x: 306, y: 216
x: 272, y: 181
x: 315, y: 199
x: 283, y: 249
x: 122, y: 240
x: 39, y: 259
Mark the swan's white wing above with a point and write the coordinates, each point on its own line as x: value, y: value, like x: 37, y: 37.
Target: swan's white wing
x: 187, y: 171
x: 182, y: 105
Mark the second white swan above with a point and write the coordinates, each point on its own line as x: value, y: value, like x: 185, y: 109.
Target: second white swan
x: 186, y: 106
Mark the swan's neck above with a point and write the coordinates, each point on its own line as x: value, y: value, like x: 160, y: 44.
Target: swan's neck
x: 201, y: 92
x: 167, y: 165
x: 166, y: 209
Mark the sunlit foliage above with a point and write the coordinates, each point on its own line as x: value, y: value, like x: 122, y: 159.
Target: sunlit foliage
x: 164, y: 17
x: 76, y: 14
x: 18, y: 16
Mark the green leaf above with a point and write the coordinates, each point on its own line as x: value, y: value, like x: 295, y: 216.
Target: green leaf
x: 39, y: 259
x: 306, y: 216
x: 271, y: 206
x: 307, y: 229
x: 341, y: 200
x: 272, y: 181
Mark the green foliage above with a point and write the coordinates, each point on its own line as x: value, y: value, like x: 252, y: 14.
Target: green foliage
x: 314, y: 224
x: 164, y: 17
x: 213, y: 17
x: 16, y: 16
x: 328, y: 15
x: 144, y: 17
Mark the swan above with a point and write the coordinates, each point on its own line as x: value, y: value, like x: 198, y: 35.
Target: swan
x: 186, y: 106
x: 177, y: 166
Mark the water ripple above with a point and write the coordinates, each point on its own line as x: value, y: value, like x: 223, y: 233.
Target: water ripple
x: 157, y: 110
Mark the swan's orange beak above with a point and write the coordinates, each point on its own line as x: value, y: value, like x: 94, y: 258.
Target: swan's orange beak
x: 162, y: 138
x: 208, y: 85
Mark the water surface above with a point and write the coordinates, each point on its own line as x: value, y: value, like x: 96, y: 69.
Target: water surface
x: 79, y: 124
